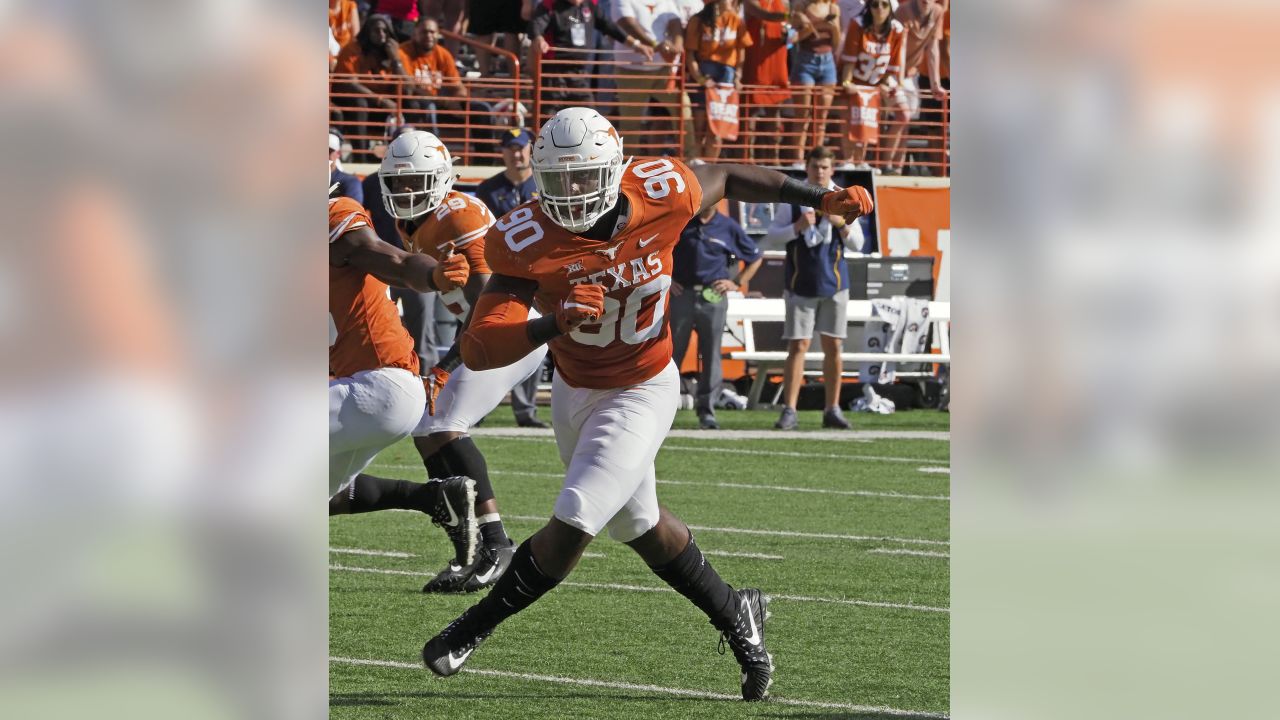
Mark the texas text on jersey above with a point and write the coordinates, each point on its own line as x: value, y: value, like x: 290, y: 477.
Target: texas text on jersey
x: 631, y: 342
x: 364, y: 327
x: 459, y: 219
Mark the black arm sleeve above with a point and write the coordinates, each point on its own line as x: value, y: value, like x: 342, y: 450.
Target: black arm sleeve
x: 542, y: 330
x: 451, y: 359
x: 749, y: 183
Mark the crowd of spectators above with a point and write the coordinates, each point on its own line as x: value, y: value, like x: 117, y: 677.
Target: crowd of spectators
x: 853, y: 75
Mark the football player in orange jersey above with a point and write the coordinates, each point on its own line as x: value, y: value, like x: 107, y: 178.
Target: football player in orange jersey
x: 375, y: 394
x: 434, y: 219
x: 593, y: 253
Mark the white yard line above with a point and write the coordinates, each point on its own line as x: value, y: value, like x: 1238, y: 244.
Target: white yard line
x: 756, y: 556
x: 775, y: 533
x: 941, y: 470
x: 816, y: 491
x: 634, y: 687
x: 646, y: 588
x: 378, y: 553
x: 904, y: 551
x: 787, y: 533
x: 741, y: 486
x: 741, y: 451
x: 836, y: 435
x: 396, y: 554
x: 820, y: 536
x: 382, y: 571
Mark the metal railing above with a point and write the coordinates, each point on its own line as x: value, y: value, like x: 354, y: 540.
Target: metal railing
x: 647, y: 104
x: 468, y: 126
x: 655, y: 110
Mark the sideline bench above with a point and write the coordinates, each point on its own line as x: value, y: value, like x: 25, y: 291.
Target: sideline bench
x: 744, y: 313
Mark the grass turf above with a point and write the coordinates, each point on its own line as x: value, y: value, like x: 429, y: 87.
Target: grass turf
x: 864, y: 535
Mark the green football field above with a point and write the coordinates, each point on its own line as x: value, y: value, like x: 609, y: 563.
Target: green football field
x: 848, y: 535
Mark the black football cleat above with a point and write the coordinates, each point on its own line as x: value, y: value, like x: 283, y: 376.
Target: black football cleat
x: 448, y: 580
x: 747, y: 643
x: 455, y: 511
x: 446, y: 653
x: 491, y: 563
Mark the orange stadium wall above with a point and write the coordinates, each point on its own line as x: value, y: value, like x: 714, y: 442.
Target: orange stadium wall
x: 917, y: 221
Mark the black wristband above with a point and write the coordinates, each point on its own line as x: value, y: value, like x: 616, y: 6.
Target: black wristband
x: 542, y: 330
x: 451, y: 359
x: 800, y: 193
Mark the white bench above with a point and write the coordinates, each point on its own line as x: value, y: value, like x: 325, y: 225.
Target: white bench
x: 743, y: 313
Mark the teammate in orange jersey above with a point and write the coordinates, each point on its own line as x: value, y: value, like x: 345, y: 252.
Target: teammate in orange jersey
x: 593, y: 253
x: 417, y: 189
x: 375, y: 394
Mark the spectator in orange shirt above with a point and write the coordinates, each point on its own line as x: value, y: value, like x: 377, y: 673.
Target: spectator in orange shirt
x: 874, y: 60
x: 430, y: 62
x: 715, y: 44
x: 433, y: 67
x: 344, y: 19
x: 373, y: 52
x: 767, y: 65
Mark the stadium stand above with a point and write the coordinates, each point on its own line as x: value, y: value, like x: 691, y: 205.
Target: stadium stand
x: 365, y: 99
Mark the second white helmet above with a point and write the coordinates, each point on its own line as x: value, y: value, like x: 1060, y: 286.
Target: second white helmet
x: 577, y: 165
x: 415, y: 175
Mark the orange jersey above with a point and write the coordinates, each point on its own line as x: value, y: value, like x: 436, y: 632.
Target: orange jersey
x: 462, y: 220
x: 723, y: 42
x: 631, y: 343
x: 873, y: 58
x: 364, y: 326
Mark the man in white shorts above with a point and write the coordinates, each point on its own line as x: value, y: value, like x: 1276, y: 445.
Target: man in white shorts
x: 594, y: 253
x: 817, y: 293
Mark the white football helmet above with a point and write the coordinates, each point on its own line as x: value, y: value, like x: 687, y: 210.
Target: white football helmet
x: 416, y: 174
x: 577, y: 166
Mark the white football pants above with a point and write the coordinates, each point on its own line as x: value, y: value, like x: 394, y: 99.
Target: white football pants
x: 608, y: 440
x: 367, y: 412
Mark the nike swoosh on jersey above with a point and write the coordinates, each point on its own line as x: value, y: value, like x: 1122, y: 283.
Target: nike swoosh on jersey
x: 455, y: 661
x: 647, y: 240
x: 754, y: 637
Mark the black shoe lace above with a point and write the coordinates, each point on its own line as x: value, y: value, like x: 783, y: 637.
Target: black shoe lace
x: 471, y: 641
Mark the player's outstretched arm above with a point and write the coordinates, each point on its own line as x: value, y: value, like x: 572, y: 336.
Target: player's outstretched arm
x: 749, y: 183
x: 363, y: 249
x: 501, y: 332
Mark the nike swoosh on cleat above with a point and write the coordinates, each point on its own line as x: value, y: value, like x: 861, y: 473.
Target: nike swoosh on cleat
x: 452, y: 515
x: 647, y: 240
x: 754, y: 637
x: 455, y: 661
x: 487, y: 574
